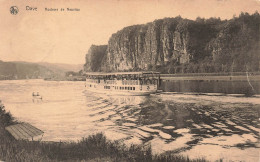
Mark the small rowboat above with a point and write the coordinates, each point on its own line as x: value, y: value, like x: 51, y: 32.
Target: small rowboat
x: 36, y: 95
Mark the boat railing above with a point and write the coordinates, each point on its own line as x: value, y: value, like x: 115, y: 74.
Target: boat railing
x: 130, y: 82
x: 109, y: 81
x: 92, y: 80
x: 125, y: 81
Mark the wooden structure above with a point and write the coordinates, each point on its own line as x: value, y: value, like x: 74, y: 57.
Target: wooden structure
x: 25, y: 131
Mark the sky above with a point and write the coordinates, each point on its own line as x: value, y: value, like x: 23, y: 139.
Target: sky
x: 65, y: 36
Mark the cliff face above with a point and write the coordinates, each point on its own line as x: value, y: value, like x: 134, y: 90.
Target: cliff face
x: 172, y: 43
x: 94, y: 57
x: 144, y: 46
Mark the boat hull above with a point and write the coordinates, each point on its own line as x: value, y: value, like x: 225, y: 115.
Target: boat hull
x: 116, y: 92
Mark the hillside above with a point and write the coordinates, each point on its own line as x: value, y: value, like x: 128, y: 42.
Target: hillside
x: 62, y: 67
x: 26, y: 70
x: 177, y: 45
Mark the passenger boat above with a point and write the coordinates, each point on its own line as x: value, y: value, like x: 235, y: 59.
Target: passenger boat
x: 126, y: 83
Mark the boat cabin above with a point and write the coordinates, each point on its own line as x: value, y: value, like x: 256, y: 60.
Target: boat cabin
x: 124, y: 81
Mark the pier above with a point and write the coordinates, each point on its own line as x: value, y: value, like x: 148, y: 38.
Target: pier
x: 25, y: 131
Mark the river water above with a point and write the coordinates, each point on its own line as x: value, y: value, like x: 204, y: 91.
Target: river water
x: 212, y: 86
x: 212, y: 126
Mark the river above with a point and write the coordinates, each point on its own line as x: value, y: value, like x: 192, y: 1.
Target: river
x: 209, y: 126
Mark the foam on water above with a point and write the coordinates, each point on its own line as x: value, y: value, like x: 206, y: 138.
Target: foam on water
x: 230, y: 122
x: 242, y: 128
x: 164, y: 135
x: 129, y: 124
x: 115, y: 135
x: 206, y: 126
x: 168, y: 127
x: 196, y: 126
x: 182, y: 131
x: 147, y: 129
x: 253, y: 128
x: 155, y: 125
x: 159, y: 145
x: 133, y: 140
x: 142, y: 133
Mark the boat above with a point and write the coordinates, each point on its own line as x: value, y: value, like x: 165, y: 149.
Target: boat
x: 36, y: 95
x: 125, y: 83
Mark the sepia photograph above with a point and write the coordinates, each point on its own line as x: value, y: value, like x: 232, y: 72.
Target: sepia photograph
x: 130, y: 80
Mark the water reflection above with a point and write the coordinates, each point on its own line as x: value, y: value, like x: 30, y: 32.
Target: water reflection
x: 128, y: 100
x: 213, y: 86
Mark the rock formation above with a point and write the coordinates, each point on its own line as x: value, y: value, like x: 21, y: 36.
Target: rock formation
x: 175, y: 42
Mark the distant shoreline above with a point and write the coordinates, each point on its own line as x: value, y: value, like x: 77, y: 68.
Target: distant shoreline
x: 211, y: 78
x: 236, y: 76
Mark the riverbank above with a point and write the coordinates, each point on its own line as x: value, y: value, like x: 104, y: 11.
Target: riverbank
x: 71, y: 78
x: 93, y: 148
x: 241, y: 76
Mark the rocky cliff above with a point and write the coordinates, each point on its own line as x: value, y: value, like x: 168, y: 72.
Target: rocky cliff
x: 94, y: 58
x: 173, y: 45
x: 145, y: 46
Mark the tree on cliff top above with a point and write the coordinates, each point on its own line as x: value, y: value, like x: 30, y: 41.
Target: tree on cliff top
x: 94, y: 57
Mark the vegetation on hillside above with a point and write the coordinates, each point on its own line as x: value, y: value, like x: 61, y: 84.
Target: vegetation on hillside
x: 43, y: 70
x: 223, y: 46
x: 25, y: 70
x: 95, y: 57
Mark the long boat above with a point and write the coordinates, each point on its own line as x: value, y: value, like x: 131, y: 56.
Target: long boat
x: 125, y: 83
